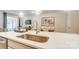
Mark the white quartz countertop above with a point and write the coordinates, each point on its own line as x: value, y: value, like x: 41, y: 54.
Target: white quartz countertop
x: 56, y: 40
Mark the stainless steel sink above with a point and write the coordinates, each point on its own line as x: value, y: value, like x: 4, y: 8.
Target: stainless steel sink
x: 36, y: 38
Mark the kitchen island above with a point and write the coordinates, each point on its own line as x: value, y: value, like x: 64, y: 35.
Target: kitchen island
x: 55, y: 40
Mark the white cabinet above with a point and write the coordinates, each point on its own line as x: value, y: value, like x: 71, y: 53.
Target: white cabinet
x: 3, y: 43
x: 17, y: 45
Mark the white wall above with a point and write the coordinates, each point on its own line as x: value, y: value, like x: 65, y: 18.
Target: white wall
x: 23, y: 20
x: 65, y: 21
x: 73, y: 22
x: 1, y: 19
x: 60, y: 20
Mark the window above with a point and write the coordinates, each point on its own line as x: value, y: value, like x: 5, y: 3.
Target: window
x: 12, y: 23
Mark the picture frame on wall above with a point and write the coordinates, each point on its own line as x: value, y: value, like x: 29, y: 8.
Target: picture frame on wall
x: 48, y: 23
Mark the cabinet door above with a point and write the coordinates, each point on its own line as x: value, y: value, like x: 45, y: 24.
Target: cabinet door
x: 16, y: 45
x: 3, y: 43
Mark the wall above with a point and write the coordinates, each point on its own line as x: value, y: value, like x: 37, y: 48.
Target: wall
x: 60, y: 22
x: 23, y: 20
x: 73, y: 22
x: 1, y: 20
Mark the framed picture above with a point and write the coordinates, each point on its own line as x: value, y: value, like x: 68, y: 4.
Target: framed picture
x: 48, y: 23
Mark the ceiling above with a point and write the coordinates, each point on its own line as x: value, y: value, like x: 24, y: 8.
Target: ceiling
x: 29, y: 12
x: 16, y: 12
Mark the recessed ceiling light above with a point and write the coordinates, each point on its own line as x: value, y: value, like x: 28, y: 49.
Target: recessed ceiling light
x: 21, y: 14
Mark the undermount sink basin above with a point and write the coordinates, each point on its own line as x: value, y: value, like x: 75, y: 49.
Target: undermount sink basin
x: 36, y: 38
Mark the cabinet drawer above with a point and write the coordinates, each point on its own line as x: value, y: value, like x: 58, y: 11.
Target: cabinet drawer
x: 16, y: 45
